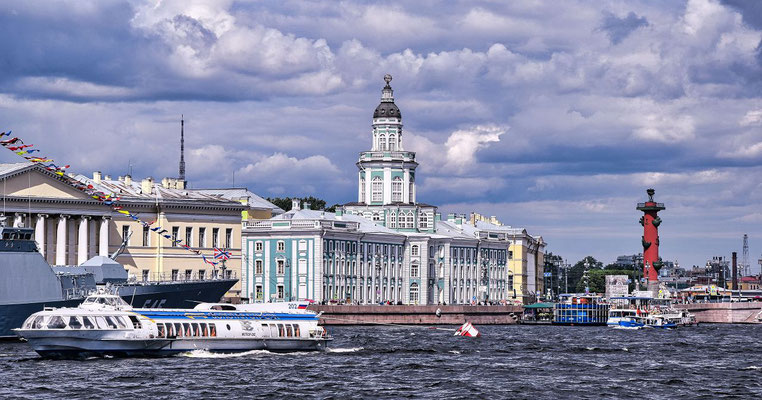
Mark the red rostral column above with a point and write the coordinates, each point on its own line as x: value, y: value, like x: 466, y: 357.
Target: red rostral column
x: 650, y: 221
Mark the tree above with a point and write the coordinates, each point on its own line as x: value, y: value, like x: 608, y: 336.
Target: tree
x: 597, y: 279
x: 314, y: 202
x: 577, y: 271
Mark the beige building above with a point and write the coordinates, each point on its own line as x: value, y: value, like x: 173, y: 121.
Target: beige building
x: 70, y: 226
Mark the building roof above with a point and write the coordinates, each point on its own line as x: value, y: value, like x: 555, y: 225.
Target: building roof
x: 253, y: 200
x: 365, y: 225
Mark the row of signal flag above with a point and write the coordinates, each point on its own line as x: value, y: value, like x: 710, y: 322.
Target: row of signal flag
x: 18, y: 146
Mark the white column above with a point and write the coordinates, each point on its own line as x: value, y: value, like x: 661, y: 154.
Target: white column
x: 387, y: 185
x: 82, y: 240
x: 39, y: 232
x: 91, y: 242
x: 61, y: 240
x: 406, y: 186
x: 18, y: 220
x: 103, y: 242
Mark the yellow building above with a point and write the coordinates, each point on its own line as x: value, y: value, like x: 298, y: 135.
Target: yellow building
x: 71, y: 227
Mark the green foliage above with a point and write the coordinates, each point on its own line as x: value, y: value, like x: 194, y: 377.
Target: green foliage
x: 597, y: 278
x: 315, y: 203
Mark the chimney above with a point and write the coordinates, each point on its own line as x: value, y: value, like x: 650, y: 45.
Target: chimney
x: 438, y: 217
x: 107, y: 177
x: 307, y: 206
x: 120, y: 178
x: 295, y: 204
x: 128, y: 180
x: 735, y: 271
x: 146, y: 185
x: 97, y: 176
x: 451, y: 217
x: 165, y: 183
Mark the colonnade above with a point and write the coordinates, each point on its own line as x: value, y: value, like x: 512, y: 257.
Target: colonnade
x: 82, y: 243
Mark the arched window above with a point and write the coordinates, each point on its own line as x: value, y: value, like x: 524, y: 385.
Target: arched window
x: 414, y: 250
x: 414, y: 270
x: 392, y: 143
x: 376, y: 217
x: 362, y: 190
x: 410, y: 192
x: 397, y: 189
x: 423, y: 220
x: 382, y: 143
x: 377, y: 189
x: 410, y: 220
x: 392, y: 220
x: 413, y: 293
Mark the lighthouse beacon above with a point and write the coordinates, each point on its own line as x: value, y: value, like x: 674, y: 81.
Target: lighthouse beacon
x: 650, y: 221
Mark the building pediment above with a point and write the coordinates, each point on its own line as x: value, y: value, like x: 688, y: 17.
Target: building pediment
x: 33, y: 181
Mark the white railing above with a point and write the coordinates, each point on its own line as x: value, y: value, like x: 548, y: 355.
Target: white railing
x: 299, y: 224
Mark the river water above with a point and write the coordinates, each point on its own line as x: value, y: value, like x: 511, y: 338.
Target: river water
x: 545, y: 362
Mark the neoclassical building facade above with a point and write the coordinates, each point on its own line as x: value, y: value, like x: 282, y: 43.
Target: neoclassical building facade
x: 71, y: 227
x: 387, y: 247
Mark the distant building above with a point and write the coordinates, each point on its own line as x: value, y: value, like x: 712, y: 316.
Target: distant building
x: 387, y: 247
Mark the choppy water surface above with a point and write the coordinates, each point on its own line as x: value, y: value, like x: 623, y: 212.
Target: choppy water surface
x: 707, y: 362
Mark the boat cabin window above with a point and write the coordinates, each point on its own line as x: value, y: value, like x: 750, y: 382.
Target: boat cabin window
x: 178, y: 329
x: 204, y: 329
x: 171, y: 332
x: 281, y: 330
x: 273, y: 330
x: 196, y: 330
x: 162, y: 330
x: 101, y: 322
x: 135, y: 322
x: 88, y: 323
x: 212, y: 330
x: 37, y: 323
x: 296, y: 331
x: 74, y: 323
x: 56, y: 322
x: 289, y: 330
x: 110, y: 322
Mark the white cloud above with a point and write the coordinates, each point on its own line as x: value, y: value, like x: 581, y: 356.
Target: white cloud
x: 666, y: 128
x: 280, y: 168
x: 462, y: 145
x: 751, y: 118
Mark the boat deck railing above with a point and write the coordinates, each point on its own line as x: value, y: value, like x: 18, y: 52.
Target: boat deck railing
x: 184, y: 276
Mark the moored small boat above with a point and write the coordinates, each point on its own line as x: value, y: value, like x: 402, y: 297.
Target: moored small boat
x: 106, y: 325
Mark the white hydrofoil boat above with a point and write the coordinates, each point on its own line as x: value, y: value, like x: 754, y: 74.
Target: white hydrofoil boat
x: 105, y: 325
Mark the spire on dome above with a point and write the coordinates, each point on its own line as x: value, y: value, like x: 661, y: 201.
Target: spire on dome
x: 387, y: 108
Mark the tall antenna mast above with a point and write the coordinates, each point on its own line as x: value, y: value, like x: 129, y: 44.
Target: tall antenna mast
x: 745, y: 267
x: 182, y: 148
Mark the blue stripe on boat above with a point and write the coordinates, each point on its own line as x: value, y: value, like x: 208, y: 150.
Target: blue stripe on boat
x: 223, y: 315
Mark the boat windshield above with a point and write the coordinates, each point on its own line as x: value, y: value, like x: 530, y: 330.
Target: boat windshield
x: 114, y: 301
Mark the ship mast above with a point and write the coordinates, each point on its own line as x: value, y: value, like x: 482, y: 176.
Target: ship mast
x: 182, y: 149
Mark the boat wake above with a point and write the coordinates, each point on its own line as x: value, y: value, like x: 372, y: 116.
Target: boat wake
x: 346, y: 350
x: 753, y: 367
x: 209, y: 354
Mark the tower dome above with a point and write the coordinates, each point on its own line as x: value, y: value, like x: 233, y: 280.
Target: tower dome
x: 387, y: 108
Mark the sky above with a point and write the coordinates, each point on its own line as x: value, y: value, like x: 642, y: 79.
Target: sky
x: 552, y: 116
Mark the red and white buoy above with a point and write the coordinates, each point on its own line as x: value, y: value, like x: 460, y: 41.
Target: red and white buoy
x: 467, y: 330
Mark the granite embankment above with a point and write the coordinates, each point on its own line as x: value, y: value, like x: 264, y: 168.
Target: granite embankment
x: 416, y: 315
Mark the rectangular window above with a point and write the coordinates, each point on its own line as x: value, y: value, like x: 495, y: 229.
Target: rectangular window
x: 188, y: 274
x: 189, y: 236
x: 125, y: 232
x: 228, y: 274
x: 201, y: 237
x: 216, y: 237
x: 146, y: 236
x: 258, y: 267
x: 258, y: 292
x: 281, y: 291
x: 281, y: 267
x: 145, y: 275
x: 202, y: 274
x: 281, y: 246
x: 228, y: 238
x: 175, y: 233
x: 258, y: 246
x: 175, y: 273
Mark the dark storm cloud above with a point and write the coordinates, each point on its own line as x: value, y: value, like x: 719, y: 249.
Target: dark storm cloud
x: 619, y: 28
x: 545, y: 113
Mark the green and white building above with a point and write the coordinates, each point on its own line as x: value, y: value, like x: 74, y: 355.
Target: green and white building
x: 386, y: 246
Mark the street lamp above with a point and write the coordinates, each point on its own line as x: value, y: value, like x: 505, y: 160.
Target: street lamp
x: 586, y: 277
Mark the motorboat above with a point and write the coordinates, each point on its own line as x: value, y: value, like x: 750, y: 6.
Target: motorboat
x: 105, y: 325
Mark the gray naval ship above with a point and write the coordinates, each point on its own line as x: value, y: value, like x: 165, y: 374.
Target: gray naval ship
x: 29, y: 284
